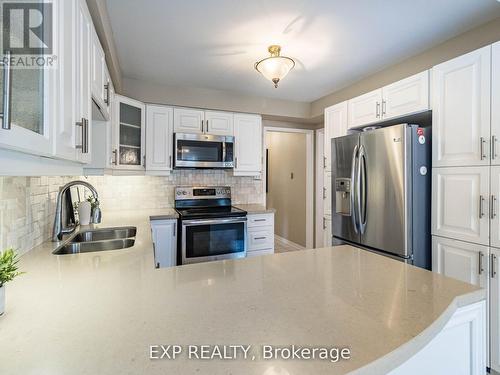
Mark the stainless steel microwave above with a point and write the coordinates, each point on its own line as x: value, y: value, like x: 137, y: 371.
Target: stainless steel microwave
x: 203, y: 151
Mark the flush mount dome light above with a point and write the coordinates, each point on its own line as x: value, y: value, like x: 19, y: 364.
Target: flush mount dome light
x: 275, y: 67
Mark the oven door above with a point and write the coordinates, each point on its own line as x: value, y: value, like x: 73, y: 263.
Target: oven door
x: 203, y: 151
x: 207, y: 240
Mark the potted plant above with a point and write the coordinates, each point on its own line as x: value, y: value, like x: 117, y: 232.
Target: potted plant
x: 8, y: 271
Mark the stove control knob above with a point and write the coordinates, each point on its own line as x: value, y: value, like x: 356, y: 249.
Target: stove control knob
x: 184, y: 192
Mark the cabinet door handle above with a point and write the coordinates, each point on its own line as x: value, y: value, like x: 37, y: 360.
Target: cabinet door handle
x: 324, y: 162
x: 493, y: 258
x: 324, y: 192
x: 384, y: 104
x: 492, y: 206
x: 481, y: 268
x: 493, y: 147
x: 85, y: 133
x: 260, y: 238
x: 377, y: 109
x: 170, y: 161
x: 7, y: 91
x: 202, y: 126
x: 206, y: 126
x: 483, y: 155
x: 324, y: 223
x: 115, y: 157
x: 481, y: 206
x: 106, y: 99
x: 236, y: 163
x: 259, y: 220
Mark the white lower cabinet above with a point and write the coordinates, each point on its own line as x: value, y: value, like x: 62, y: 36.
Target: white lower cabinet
x: 495, y: 309
x: 164, y: 234
x: 327, y: 226
x: 460, y: 203
x: 260, y: 236
x: 461, y: 260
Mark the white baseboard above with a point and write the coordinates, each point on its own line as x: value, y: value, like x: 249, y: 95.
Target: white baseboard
x: 289, y: 243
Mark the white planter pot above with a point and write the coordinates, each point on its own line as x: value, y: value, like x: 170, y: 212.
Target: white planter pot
x: 2, y: 300
x: 84, y: 209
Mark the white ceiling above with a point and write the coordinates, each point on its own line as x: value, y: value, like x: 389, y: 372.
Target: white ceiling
x: 215, y: 43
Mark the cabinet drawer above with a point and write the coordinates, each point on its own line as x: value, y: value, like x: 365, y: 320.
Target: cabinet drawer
x: 262, y: 220
x: 261, y: 238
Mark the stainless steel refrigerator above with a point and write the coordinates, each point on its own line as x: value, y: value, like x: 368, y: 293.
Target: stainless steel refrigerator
x: 381, y: 186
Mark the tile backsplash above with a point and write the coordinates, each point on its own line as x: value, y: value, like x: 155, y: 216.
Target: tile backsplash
x: 27, y: 204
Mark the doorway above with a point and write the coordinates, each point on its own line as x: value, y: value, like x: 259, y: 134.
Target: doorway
x: 289, y: 186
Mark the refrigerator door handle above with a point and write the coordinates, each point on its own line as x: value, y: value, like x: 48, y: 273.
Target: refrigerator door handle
x: 353, y: 188
x: 361, y: 189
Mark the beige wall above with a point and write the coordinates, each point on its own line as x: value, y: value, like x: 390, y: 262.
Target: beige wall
x: 463, y: 43
x: 287, y: 154
x: 151, y: 92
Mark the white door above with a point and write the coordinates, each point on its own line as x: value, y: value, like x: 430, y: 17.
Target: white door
x: 83, y: 95
x: 460, y: 198
x: 495, y: 104
x: 188, y: 120
x: 365, y: 109
x: 463, y: 261
x: 247, y: 144
x: 159, y: 138
x: 129, y: 133
x: 335, y: 126
x: 461, y: 110
x: 327, y: 226
x: 219, y: 123
x: 164, y: 242
x: 98, y: 66
x: 495, y: 309
x: 410, y: 95
x: 327, y: 193
x: 320, y: 142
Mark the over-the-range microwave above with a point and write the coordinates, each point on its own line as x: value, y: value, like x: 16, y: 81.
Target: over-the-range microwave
x: 203, y: 151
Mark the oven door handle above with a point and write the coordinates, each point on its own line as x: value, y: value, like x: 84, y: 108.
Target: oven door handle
x: 213, y: 221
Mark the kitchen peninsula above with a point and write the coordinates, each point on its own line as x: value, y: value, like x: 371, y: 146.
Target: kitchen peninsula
x: 100, y: 313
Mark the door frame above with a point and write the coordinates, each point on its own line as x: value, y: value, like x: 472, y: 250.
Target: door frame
x: 319, y: 186
x: 309, y: 176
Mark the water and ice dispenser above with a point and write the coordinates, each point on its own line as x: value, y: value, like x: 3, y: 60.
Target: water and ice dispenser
x: 343, y: 196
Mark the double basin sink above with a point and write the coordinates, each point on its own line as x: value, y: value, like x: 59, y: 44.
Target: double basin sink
x: 98, y: 240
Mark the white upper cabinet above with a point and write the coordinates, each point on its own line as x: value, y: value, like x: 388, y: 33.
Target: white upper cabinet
x: 461, y: 110
x: 495, y: 308
x: 410, y: 95
x: 83, y: 99
x: 495, y: 104
x: 365, y: 109
x: 335, y: 126
x: 461, y: 260
x: 248, y: 144
x: 159, y: 138
x: 219, y: 123
x: 188, y: 120
x: 98, y: 72
x: 128, y: 133
x: 460, y: 200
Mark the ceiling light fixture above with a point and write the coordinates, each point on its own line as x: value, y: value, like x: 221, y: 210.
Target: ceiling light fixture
x: 275, y: 67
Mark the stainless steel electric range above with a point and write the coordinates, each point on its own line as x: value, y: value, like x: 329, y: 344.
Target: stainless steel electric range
x: 210, y: 228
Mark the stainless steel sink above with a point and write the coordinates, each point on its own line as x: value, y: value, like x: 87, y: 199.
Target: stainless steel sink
x: 87, y: 247
x: 104, y: 234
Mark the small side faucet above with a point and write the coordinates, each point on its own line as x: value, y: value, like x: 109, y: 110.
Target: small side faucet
x: 59, y: 230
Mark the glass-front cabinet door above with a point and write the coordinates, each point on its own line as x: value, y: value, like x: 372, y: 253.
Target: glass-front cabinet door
x: 129, y: 133
x: 27, y: 94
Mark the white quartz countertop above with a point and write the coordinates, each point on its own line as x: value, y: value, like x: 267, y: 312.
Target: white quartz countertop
x: 255, y: 209
x: 98, y: 313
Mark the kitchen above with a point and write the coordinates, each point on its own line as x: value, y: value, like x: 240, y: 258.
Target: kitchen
x: 133, y: 189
